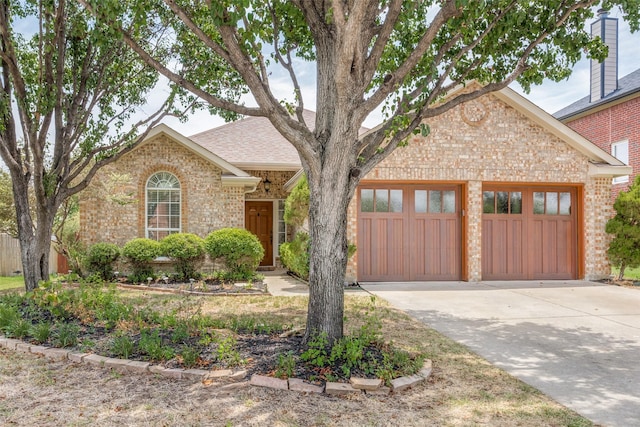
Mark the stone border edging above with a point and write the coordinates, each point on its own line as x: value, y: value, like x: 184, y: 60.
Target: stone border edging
x: 186, y: 292
x: 355, y: 385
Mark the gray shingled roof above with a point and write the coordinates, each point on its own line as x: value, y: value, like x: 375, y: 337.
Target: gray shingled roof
x: 252, y: 143
x: 626, y: 86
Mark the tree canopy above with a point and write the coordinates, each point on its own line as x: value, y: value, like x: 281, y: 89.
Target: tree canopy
x: 69, y: 92
x: 399, y: 56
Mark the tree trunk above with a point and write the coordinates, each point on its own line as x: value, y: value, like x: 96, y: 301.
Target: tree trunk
x: 623, y: 266
x: 35, y: 259
x: 35, y: 238
x: 330, y: 192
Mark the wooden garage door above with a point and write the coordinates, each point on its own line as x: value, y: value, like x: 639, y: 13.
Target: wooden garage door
x: 409, y: 232
x: 529, y: 233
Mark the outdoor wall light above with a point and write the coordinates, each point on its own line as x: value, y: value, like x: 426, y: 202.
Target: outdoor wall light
x: 267, y: 184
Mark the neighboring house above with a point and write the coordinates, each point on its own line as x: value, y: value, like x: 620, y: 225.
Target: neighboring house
x: 610, y: 115
x: 499, y: 190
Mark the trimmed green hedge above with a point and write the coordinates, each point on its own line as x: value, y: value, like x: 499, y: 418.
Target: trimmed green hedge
x: 140, y: 253
x: 239, y: 249
x: 187, y: 251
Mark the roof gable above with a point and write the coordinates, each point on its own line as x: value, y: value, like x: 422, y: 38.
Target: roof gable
x: 231, y: 175
x: 603, y: 163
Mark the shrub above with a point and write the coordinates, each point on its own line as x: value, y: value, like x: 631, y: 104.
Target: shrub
x: 140, y: 253
x: 100, y: 259
x: 624, y: 249
x: 187, y: 251
x: 240, y: 250
x: 295, y: 255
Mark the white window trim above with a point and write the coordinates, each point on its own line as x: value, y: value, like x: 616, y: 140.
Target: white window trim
x: 620, y: 179
x: 146, y: 206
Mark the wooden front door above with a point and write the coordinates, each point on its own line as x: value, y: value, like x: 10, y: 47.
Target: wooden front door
x: 258, y: 219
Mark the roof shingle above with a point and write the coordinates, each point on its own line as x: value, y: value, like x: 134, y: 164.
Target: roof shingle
x: 626, y: 86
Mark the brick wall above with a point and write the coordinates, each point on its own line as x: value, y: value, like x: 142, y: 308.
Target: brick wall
x: 613, y: 124
x: 488, y: 141
x: 206, y: 204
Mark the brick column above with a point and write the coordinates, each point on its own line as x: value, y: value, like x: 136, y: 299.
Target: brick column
x: 474, y: 231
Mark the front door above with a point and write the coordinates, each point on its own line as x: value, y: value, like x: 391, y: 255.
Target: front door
x: 258, y: 219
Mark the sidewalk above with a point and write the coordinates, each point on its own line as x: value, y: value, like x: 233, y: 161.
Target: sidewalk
x: 280, y: 284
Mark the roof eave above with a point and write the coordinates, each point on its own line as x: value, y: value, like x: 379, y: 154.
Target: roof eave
x: 267, y: 166
x: 608, y: 171
x: 250, y: 183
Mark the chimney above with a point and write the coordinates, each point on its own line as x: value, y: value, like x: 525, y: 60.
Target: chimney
x: 604, y: 75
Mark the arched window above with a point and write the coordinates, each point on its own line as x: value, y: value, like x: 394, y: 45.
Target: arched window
x: 162, y: 205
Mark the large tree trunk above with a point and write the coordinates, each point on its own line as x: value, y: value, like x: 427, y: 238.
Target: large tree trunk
x: 330, y: 192
x: 34, y: 237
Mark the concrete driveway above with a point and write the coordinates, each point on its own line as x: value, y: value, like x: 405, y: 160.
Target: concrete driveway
x: 576, y: 341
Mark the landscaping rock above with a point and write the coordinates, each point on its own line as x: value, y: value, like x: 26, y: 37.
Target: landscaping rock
x: 296, y: 384
x: 404, y: 383
x: 38, y: 349
x: 23, y: 347
x: 426, y: 370
x: 219, y: 373
x: 340, y: 389
x: 138, y: 366
x: 10, y: 343
x: 172, y: 373
x: 119, y: 365
x: 270, y: 382
x: 365, y: 383
x: 156, y: 369
x: 194, y: 374
x: 94, y: 359
x: 56, y: 354
x: 238, y: 375
x: 77, y: 357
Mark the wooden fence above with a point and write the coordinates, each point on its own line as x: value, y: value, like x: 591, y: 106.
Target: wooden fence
x: 10, y: 261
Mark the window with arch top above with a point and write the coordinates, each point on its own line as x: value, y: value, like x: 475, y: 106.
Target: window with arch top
x: 163, y: 198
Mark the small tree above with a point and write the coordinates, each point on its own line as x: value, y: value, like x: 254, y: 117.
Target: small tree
x: 624, y: 249
x: 187, y: 251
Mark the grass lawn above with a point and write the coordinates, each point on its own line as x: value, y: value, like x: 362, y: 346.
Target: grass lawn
x: 11, y: 282
x: 629, y: 273
x: 464, y: 389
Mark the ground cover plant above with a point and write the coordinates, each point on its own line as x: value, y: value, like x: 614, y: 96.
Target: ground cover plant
x: 175, y: 332
x: 463, y: 389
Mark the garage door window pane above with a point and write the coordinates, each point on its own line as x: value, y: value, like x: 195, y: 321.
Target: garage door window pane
x: 488, y: 202
x: 396, y: 200
x: 516, y: 202
x: 382, y: 200
x: 366, y: 201
x: 552, y: 203
x: 421, y: 201
x: 449, y: 201
x: 435, y: 202
x: 538, y: 203
x: 565, y: 203
x: 502, y: 202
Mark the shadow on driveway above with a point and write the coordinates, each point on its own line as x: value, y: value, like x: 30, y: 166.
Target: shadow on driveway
x: 578, y: 342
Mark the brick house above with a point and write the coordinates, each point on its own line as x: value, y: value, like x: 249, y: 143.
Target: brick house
x: 610, y: 115
x: 499, y: 190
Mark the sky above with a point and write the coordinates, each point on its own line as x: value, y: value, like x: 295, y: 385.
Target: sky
x: 550, y: 96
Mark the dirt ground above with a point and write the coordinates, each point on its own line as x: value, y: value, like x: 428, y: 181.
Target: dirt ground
x: 464, y: 390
